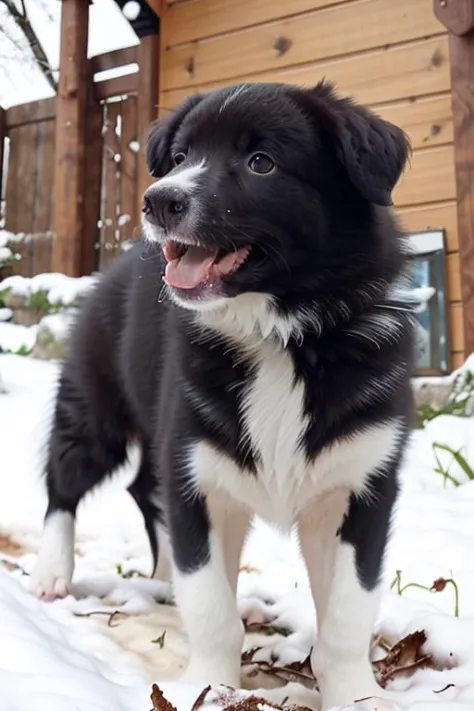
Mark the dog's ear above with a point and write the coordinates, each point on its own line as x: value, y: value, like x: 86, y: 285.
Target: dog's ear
x: 161, y: 134
x: 373, y: 151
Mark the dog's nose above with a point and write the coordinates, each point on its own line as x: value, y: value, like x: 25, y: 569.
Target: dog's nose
x: 165, y: 206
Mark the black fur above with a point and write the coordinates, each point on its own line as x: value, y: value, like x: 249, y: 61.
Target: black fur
x: 328, y: 250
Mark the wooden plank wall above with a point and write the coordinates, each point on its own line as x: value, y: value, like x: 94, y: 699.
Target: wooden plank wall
x: 29, y: 195
x: 118, y: 206
x: 30, y: 177
x: 390, y: 55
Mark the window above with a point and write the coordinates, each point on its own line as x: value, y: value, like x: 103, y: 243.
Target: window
x: 427, y: 270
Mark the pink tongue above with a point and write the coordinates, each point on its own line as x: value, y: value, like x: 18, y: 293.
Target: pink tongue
x: 190, y: 270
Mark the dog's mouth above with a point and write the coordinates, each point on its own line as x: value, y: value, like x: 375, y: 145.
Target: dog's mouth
x: 193, y: 265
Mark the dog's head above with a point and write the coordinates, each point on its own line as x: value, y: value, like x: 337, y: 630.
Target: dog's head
x: 271, y: 189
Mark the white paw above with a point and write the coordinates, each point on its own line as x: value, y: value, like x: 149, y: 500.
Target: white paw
x: 54, y: 566
x: 375, y: 703
x: 345, y: 682
x: 292, y: 694
x: 49, y: 587
x: 214, y: 673
x: 355, y: 696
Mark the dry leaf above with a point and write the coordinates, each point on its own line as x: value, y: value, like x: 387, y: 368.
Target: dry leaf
x: 299, y: 672
x: 404, y: 656
x: 158, y: 700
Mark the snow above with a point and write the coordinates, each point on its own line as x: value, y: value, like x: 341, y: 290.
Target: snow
x: 13, y: 337
x: 64, y: 660
x: 5, y: 255
x: 5, y: 314
x: 131, y: 9
x: 62, y: 289
x: 58, y: 324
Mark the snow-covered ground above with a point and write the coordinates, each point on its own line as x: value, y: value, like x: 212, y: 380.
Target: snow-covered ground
x: 56, y: 656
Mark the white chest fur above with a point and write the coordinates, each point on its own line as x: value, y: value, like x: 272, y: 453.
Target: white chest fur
x: 274, y: 423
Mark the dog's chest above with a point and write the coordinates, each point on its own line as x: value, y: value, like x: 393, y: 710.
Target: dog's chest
x: 273, y: 423
x: 273, y: 420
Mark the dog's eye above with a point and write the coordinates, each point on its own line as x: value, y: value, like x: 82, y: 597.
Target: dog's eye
x: 261, y: 163
x: 179, y: 158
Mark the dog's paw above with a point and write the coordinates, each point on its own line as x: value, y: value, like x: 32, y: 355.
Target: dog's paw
x: 292, y: 694
x: 49, y: 587
x: 215, y: 674
x: 375, y: 703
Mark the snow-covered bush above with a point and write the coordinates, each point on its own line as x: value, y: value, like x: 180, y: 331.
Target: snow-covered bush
x: 45, y: 293
x: 7, y: 252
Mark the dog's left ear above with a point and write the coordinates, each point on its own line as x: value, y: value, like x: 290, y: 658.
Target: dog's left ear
x: 161, y: 134
x: 373, y: 151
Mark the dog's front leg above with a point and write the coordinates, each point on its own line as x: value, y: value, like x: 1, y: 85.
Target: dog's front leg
x: 206, y: 600
x: 343, y: 541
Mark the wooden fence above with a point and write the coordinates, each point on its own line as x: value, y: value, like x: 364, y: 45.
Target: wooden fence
x: 112, y: 184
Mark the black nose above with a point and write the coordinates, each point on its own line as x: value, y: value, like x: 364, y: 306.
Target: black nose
x: 165, y: 206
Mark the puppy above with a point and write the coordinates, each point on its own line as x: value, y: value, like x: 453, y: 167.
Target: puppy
x: 256, y: 349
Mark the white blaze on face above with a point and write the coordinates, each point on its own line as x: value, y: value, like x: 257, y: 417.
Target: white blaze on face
x: 186, y: 179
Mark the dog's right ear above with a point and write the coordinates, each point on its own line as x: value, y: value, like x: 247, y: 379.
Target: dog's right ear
x: 161, y: 134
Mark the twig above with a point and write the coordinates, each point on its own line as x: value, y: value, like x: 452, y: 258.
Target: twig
x: 200, y: 699
x: 111, y: 615
x: 448, y: 686
x: 405, y: 667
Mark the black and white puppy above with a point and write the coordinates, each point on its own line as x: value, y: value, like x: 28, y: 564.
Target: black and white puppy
x: 270, y: 378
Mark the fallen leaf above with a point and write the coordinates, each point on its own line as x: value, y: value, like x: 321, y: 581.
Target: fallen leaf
x: 160, y: 703
x: 160, y: 641
x: 404, y: 656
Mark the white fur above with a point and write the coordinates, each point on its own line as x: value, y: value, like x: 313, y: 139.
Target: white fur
x: 340, y: 659
x: 233, y: 95
x: 274, y: 424
x: 287, y: 489
x: 186, y: 179
x: 346, y: 612
x: 207, y: 605
x: 163, y: 569
x: 248, y: 319
x: 181, y: 178
x: 54, y: 567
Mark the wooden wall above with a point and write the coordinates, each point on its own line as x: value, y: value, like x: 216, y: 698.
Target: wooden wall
x: 29, y: 182
x: 391, y: 55
x: 111, y: 180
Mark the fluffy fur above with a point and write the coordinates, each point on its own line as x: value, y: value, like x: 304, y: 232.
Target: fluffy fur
x: 275, y: 383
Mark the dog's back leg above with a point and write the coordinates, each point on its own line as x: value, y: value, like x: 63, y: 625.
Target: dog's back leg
x: 88, y: 442
x: 146, y: 492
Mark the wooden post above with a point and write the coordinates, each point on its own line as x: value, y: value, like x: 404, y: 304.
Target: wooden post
x: 69, y: 179
x: 148, y: 62
x: 3, y: 130
x: 458, y: 18
x: 89, y: 254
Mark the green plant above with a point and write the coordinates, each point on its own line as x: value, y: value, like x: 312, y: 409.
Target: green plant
x: 20, y: 351
x: 438, y: 585
x: 460, y: 401
x: 39, y: 302
x: 456, y: 457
